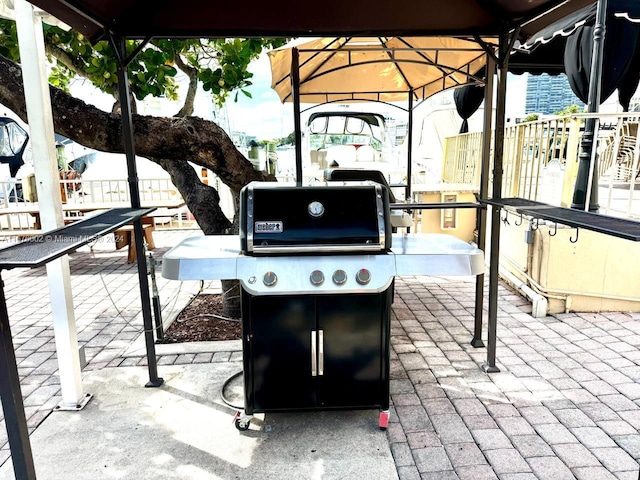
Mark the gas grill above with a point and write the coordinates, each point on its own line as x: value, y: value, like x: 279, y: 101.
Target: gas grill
x: 316, y: 266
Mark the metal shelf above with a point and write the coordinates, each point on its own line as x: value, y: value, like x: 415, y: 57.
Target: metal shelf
x: 41, y: 249
x: 434, y: 206
x: 616, y: 227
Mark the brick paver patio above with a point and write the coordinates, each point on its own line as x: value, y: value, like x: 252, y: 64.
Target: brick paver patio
x: 566, y: 403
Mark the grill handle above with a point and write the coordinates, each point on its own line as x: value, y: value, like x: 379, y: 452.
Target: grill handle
x: 320, y: 352
x: 314, y: 355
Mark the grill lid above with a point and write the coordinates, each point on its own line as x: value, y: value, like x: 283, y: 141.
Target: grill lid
x: 336, y: 217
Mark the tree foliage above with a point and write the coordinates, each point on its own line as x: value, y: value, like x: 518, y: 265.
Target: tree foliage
x: 569, y: 110
x: 219, y: 65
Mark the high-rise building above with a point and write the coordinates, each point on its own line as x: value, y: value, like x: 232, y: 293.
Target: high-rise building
x: 547, y: 94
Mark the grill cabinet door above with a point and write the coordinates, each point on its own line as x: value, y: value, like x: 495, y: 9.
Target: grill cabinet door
x: 355, y: 337
x: 278, y: 361
x: 316, y: 351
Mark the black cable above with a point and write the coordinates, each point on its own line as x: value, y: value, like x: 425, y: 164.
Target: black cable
x: 192, y: 298
x: 225, y: 385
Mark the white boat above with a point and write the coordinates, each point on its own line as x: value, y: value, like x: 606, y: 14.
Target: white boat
x: 348, y: 139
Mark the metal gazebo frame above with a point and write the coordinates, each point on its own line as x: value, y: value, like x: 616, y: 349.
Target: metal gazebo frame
x: 506, y: 20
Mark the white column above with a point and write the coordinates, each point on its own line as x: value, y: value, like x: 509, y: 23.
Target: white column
x: 40, y: 119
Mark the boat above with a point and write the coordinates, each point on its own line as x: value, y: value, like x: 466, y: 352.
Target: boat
x: 348, y: 139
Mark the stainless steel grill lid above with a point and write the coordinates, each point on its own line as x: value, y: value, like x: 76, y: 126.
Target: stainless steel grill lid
x: 336, y: 217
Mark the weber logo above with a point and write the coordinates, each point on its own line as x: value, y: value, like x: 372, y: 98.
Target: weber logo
x: 268, y: 227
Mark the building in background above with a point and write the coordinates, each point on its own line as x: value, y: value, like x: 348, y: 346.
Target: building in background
x: 547, y: 94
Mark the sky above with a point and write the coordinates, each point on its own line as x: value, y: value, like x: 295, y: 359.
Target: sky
x: 263, y: 115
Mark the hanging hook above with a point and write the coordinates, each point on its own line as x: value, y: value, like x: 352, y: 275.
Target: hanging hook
x: 505, y: 219
x: 531, y: 222
x: 555, y: 230
x: 574, y: 240
x: 518, y: 222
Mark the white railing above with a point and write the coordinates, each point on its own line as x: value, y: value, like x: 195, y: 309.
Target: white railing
x: 117, y: 190
x: 541, y: 159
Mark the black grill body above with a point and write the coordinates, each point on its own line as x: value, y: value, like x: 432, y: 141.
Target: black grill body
x: 326, y: 345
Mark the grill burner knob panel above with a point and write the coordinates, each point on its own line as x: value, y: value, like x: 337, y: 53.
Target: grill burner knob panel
x: 363, y: 276
x: 270, y: 279
x: 317, y: 278
x: 339, y: 277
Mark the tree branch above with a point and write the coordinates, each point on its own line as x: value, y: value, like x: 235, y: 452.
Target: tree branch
x: 192, y: 73
x: 73, y: 64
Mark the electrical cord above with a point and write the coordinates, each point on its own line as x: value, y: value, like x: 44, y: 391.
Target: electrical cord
x: 211, y: 315
x: 225, y: 385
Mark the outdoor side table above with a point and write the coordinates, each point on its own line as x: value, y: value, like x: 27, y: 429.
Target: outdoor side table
x: 31, y: 253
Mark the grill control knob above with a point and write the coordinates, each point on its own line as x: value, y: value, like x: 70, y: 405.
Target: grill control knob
x: 363, y: 276
x: 270, y: 279
x: 339, y: 277
x: 317, y: 278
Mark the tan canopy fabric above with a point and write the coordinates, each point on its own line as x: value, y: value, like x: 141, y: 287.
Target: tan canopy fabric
x: 377, y: 68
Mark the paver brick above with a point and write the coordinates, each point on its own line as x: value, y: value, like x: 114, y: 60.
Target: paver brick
x: 531, y: 446
x: 432, y: 459
x: 575, y: 455
x: 550, y: 468
x: 593, y: 473
x: 618, y: 402
x: 408, y: 473
x: 555, y: 433
x: 413, y: 418
x: 573, y: 417
x: 615, y: 459
x: 616, y: 427
x: 538, y: 415
x: 512, y: 426
x: 402, y: 454
x: 489, y: 439
x: 630, y: 444
x: 465, y: 454
x: 451, y: 428
x: 438, y: 406
x: 593, y: 437
x: 478, y: 422
x: 507, y: 460
x: 423, y: 439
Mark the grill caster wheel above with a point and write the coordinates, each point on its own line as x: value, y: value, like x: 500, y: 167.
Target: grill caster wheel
x: 242, y: 424
x: 383, y: 419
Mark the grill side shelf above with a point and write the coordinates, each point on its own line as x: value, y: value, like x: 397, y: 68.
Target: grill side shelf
x: 616, y: 227
x: 39, y: 250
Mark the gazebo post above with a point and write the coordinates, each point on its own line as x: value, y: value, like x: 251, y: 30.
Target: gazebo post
x: 295, y: 89
x: 498, y: 150
x: 481, y: 213
x: 134, y: 191
x: 409, y: 146
x: 12, y: 404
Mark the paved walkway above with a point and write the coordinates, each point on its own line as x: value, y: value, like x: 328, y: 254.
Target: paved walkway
x: 566, y: 403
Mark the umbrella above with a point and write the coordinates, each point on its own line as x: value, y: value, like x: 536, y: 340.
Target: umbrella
x: 383, y: 69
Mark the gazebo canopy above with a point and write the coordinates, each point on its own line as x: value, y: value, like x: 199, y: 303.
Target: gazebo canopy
x: 206, y: 18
